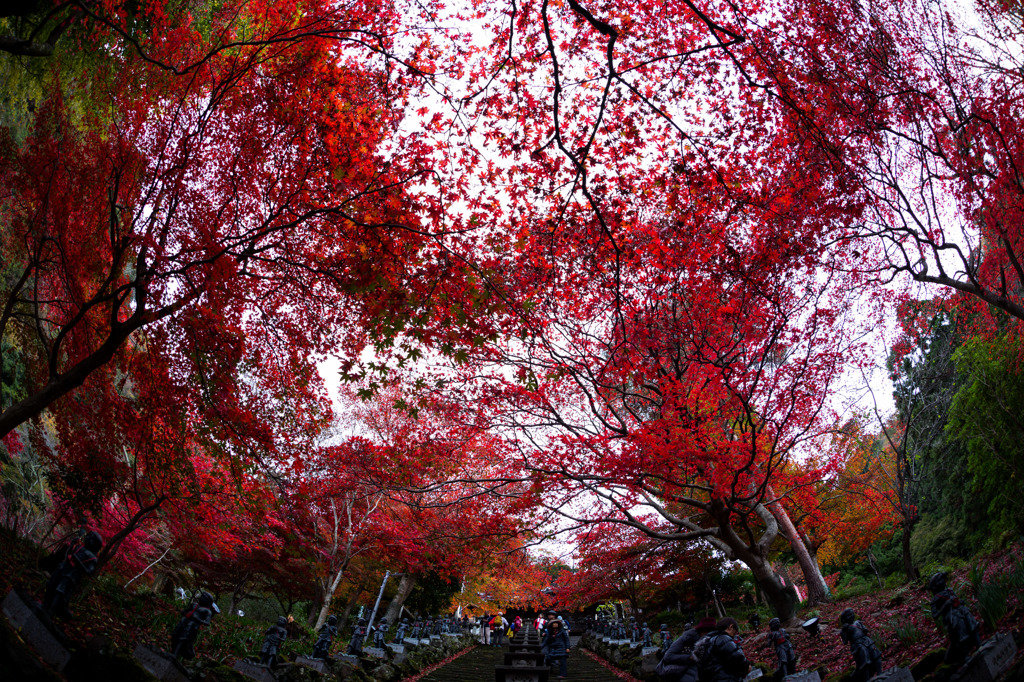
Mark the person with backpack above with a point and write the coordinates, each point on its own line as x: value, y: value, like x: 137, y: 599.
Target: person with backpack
x: 498, y: 627
x: 865, y: 654
x: 555, y: 647
x: 958, y: 622
x: 719, y: 656
x: 779, y: 639
x: 679, y: 664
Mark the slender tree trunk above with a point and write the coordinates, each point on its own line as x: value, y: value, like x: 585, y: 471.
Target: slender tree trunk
x: 61, y: 384
x: 908, y: 562
x: 817, y: 589
x: 871, y: 561
x: 328, y: 597
x: 236, y: 595
x: 719, y: 611
x: 314, y: 604
x: 405, y: 586
x: 113, y: 544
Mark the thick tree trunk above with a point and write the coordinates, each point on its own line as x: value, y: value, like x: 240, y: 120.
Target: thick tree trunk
x: 405, y: 586
x: 817, y: 589
x: 782, y: 598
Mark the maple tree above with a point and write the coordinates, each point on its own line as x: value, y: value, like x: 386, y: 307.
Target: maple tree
x: 915, y: 103
x: 246, y: 177
x: 614, y: 563
x: 852, y: 508
x: 340, y: 515
x: 638, y: 232
x: 672, y: 402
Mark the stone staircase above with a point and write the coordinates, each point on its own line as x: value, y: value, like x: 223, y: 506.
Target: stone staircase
x: 479, y: 665
x: 475, y: 666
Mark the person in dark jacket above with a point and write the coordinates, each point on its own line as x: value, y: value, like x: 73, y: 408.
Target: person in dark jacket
x: 555, y: 646
x: 958, y: 622
x: 779, y: 639
x: 679, y: 664
x: 721, y: 658
x: 865, y: 654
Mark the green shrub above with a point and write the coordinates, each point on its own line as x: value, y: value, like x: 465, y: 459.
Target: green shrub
x: 674, y: 619
x: 894, y: 580
x: 854, y: 588
x: 939, y: 539
x: 993, y: 595
x: 906, y: 633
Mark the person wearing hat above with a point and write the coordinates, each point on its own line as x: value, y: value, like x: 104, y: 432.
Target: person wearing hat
x: 498, y: 627
x: 555, y: 646
x: 779, y: 639
x: 680, y: 664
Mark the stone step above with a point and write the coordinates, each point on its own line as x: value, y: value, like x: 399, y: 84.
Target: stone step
x: 478, y: 666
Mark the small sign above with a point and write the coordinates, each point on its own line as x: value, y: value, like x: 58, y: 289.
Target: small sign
x: 345, y: 658
x: 260, y: 673
x: 803, y: 676
x: 312, y: 663
x: 160, y: 665
x: 991, y: 660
